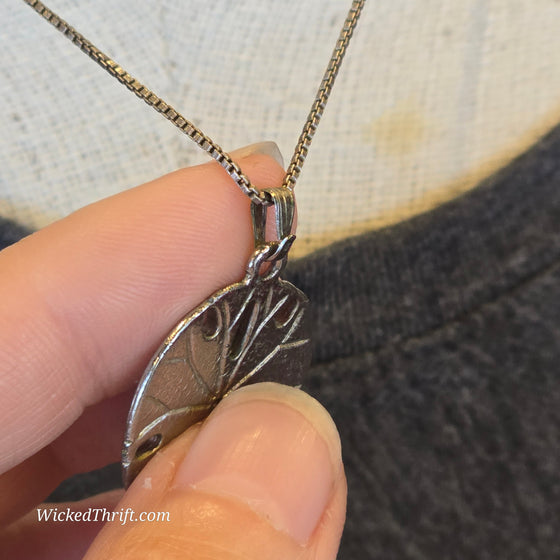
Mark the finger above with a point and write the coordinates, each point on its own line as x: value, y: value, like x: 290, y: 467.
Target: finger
x: 93, y: 295
x: 29, y: 538
x: 262, y: 478
x: 92, y: 442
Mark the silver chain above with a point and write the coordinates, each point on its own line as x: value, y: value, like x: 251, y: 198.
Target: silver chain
x: 322, y: 96
x: 191, y: 130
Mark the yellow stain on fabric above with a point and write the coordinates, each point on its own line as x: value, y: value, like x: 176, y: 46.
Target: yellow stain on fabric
x: 400, y: 130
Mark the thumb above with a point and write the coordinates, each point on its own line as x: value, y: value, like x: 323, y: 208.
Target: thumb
x: 261, y: 478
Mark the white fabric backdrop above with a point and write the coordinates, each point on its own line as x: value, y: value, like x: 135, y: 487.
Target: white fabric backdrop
x: 433, y: 96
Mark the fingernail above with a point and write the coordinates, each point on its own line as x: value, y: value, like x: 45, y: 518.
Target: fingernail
x: 272, y: 447
x: 267, y: 148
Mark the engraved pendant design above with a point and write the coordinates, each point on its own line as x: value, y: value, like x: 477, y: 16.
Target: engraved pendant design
x: 248, y: 332
x: 251, y: 331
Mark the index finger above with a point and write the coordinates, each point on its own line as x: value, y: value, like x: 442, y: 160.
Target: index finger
x: 88, y: 299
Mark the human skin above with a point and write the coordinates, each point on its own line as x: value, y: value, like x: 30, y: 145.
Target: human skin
x: 86, y: 302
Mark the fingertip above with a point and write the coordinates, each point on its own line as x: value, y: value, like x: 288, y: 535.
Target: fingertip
x: 300, y: 401
x: 261, y: 478
x: 97, y: 291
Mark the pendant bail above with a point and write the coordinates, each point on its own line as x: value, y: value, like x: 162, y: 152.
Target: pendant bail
x: 284, y: 205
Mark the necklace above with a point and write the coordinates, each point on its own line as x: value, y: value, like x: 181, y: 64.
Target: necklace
x: 254, y: 330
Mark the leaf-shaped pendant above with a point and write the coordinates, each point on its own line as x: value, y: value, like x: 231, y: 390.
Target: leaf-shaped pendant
x: 248, y: 332
x: 251, y: 331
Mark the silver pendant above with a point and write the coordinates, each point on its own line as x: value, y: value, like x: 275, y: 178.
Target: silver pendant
x: 248, y: 332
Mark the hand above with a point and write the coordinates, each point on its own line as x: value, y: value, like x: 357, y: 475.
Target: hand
x: 85, y: 303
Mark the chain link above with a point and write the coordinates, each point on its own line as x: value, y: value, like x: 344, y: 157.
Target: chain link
x: 322, y: 96
x: 191, y: 130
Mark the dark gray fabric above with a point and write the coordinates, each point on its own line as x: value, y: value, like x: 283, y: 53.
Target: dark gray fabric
x: 10, y: 232
x: 437, y: 351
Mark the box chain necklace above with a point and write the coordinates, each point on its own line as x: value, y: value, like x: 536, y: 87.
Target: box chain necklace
x: 251, y: 331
